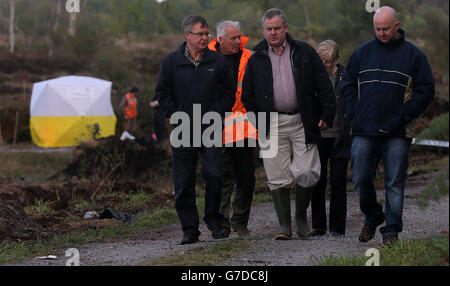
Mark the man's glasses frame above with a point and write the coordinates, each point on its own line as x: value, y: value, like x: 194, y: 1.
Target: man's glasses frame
x: 207, y: 34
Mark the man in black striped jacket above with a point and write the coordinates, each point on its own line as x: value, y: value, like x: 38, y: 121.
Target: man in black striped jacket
x: 387, y: 84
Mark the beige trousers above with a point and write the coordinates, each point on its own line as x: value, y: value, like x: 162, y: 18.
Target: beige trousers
x: 294, y: 160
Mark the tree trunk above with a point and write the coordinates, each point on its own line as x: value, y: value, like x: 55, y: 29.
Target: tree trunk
x: 58, y: 13
x: 308, y: 22
x: 12, y: 40
x: 72, y: 23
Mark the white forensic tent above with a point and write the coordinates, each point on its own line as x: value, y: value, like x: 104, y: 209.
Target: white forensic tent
x: 67, y: 110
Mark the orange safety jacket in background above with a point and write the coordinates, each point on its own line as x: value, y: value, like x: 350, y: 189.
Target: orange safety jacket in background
x: 237, y: 127
x: 130, y: 108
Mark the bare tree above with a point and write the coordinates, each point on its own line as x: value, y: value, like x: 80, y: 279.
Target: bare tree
x: 12, y: 12
x: 72, y: 23
x: 58, y: 13
x: 308, y: 22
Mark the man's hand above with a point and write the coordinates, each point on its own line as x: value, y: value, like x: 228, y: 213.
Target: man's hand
x: 322, y: 125
x: 154, y: 103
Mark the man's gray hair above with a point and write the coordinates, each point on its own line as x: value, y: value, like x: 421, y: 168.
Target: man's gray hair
x: 273, y: 13
x: 221, y: 27
x: 190, y: 20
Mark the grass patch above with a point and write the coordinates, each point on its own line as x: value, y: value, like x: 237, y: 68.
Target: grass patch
x: 12, y: 252
x: 31, y: 167
x: 414, y: 252
x: 40, y: 207
x: 202, y: 256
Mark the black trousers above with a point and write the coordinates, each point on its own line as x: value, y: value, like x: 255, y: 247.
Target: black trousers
x: 338, y: 191
x: 238, y: 177
x: 184, y: 173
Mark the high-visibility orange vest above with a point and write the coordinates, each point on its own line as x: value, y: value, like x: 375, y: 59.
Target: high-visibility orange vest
x: 237, y: 127
x: 130, y: 109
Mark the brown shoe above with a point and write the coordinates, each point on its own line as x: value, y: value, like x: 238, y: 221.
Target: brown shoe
x: 390, y: 239
x: 368, y: 230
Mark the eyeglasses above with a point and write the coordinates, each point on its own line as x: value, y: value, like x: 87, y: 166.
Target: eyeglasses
x: 207, y: 34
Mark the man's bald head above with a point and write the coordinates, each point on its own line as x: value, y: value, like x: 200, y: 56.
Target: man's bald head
x: 386, y: 24
x: 386, y: 12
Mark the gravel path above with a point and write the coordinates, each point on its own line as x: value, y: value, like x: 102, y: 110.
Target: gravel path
x: 263, y: 224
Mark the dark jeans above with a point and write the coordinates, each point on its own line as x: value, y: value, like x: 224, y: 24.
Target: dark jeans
x: 338, y: 191
x: 393, y: 151
x: 238, y: 176
x: 184, y: 174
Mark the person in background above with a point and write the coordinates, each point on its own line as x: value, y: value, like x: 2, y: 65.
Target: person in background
x: 161, y: 134
x: 388, y: 83
x: 128, y: 105
x: 334, y: 147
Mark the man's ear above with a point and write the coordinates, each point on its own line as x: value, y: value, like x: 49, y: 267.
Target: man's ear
x: 219, y: 39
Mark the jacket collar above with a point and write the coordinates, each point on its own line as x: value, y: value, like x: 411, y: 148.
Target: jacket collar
x: 263, y: 46
x: 182, y: 60
x: 395, y: 42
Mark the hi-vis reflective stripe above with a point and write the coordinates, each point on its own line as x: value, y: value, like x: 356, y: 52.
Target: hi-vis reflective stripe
x: 235, y: 118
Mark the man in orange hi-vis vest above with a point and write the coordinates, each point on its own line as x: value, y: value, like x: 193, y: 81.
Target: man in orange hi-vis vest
x: 238, y: 135
x: 128, y: 105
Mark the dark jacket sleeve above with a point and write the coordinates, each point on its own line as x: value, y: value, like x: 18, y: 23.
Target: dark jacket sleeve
x: 423, y: 89
x: 227, y: 89
x: 164, y: 88
x: 349, y: 86
x: 324, y: 90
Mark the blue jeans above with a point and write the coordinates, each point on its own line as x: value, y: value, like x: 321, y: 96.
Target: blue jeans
x: 366, y: 152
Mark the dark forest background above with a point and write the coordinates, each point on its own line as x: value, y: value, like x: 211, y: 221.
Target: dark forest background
x: 124, y: 41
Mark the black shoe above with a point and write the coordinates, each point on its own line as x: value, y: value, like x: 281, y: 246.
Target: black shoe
x: 336, y: 234
x: 390, y: 239
x: 189, y: 238
x: 368, y: 230
x: 219, y: 232
x: 227, y: 230
x: 317, y: 232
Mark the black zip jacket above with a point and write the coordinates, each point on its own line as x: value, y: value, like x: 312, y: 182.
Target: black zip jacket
x: 180, y: 84
x: 343, y: 140
x: 315, y: 95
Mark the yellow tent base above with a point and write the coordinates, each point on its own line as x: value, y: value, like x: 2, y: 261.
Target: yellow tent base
x: 71, y: 130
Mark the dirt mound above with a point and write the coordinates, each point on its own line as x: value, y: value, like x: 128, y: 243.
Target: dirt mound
x: 124, y: 161
x: 16, y: 225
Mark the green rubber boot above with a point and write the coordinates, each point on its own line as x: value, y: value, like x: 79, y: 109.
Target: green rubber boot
x: 302, y: 201
x: 282, y: 202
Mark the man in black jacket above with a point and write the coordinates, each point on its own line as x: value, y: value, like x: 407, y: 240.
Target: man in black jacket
x: 288, y: 77
x: 193, y: 81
